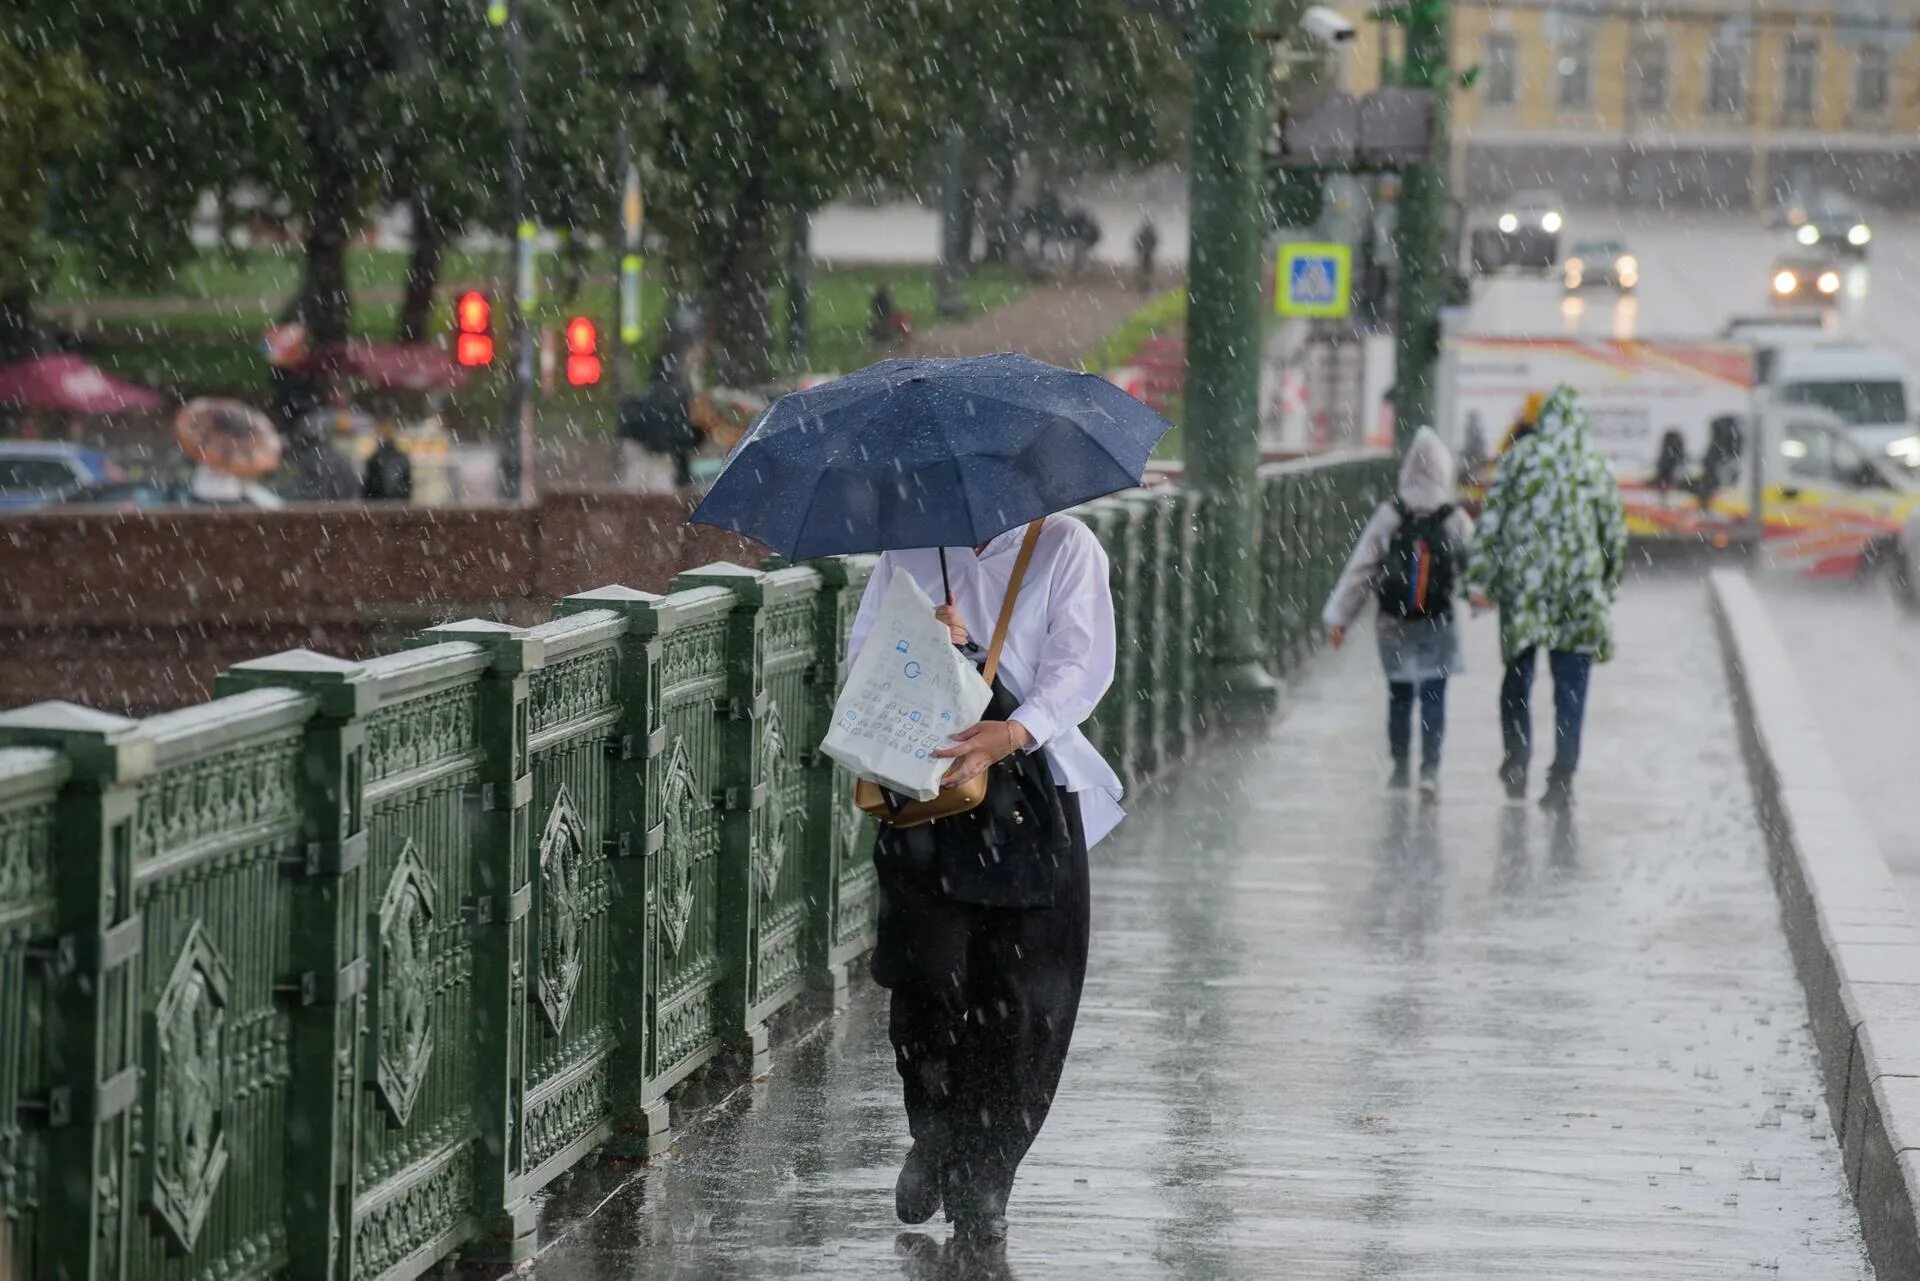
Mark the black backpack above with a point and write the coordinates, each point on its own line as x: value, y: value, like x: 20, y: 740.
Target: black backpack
x: 1416, y: 579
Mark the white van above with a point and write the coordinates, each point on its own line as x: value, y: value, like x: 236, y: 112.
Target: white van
x: 1865, y: 387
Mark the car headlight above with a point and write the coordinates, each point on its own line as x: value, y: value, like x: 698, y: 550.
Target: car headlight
x: 1509, y: 223
x: 1785, y: 282
x: 1549, y: 221
x: 1906, y: 449
x: 1808, y: 234
x: 1860, y: 234
x: 1829, y: 282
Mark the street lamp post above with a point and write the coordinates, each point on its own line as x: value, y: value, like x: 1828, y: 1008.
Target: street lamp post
x: 1419, y: 231
x: 1223, y: 337
x: 516, y: 419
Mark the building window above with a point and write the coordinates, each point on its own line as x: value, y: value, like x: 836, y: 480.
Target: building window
x: 1503, y: 71
x: 1650, y: 75
x: 1726, y: 78
x: 1870, y: 76
x: 1575, y: 70
x: 1800, y: 78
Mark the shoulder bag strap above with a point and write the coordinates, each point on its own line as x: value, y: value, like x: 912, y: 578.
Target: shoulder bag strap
x: 1013, y: 593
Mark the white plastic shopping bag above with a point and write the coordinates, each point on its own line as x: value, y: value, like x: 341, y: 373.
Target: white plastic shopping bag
x: 909, y: 692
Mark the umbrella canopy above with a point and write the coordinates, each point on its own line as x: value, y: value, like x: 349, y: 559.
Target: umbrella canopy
x: 227, y: 436
x: 399, y: 366
x: 69, y: 385
x: 929, y: 453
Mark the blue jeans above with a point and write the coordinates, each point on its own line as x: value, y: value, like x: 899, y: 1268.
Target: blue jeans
x: 1570, y: 672
x: 1433, y: 721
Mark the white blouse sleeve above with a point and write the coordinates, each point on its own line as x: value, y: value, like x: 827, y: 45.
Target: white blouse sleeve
x: 1075, y: 663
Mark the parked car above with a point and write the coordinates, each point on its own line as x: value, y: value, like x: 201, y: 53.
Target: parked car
x: 1593, y: 263
x: 36, y: 472
x: 165, y: 493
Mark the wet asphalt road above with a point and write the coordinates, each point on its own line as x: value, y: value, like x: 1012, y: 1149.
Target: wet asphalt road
x: 1331, y: 1034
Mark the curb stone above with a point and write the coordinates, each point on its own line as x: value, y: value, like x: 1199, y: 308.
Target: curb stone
x: 1854, y: 942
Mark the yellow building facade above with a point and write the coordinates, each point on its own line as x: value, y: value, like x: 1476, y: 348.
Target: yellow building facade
x: 1702, y: 103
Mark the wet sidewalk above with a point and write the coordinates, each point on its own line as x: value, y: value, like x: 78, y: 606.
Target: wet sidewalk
x: 1330, y: 1033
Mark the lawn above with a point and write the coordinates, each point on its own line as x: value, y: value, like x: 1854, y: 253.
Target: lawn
x: 202, y: 335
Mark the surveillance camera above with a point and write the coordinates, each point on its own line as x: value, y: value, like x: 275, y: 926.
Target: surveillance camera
x: 1324, y: 26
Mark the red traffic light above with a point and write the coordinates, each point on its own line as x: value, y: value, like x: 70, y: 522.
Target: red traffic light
x: 472, y: 317
x: 473, y: 313
x: 473, y: 349
x: 583, y: 361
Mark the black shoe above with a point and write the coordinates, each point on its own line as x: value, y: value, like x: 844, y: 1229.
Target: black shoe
x: 916, y: 1193
x: 1559, y: 793
x: 1400, y: 779
x: 980, y: 1232
x: 1514, y: 779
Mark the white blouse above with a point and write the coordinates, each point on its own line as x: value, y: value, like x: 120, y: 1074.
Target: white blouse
x: 1058, y: 657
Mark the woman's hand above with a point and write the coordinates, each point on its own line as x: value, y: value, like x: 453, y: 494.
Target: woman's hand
x: 974, y: 750
x: 956, y: 629
x: 1337, y: 634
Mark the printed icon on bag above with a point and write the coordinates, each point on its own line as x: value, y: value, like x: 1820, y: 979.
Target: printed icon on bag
x: 914, y: 717
x: 919, y: 753
x: 901, y: 647
x: 946, y: 714
x: 913, y: 671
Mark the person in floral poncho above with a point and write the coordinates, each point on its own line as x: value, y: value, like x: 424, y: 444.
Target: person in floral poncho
x: 1548, y: 553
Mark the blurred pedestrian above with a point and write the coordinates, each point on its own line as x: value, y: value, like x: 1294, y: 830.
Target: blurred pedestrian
x: 887, y: 325
x: 657, y: 433
x: 1549, y: 555
x: 389, y: 477
x: 1409, y: 557
x: 1146, y: 243
x: 320, y: 474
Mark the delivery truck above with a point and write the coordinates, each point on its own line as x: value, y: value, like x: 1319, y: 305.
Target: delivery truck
x: 1703, y: 448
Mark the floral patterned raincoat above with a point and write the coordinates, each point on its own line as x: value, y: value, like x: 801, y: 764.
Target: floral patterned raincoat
x: 1551, y: 543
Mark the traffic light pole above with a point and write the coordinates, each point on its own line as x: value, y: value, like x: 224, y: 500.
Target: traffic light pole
x: 1421, y: 227
x: 1224, y: 290
x: 516, y: 426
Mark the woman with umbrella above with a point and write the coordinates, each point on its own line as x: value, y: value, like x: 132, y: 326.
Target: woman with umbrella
x: 955, y: 470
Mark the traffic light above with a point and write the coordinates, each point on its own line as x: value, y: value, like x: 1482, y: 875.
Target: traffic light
x: 473, y: 329
x: 583, y: 356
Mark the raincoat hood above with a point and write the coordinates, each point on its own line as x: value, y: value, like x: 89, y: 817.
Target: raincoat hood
x: 1427, y: 473
x: 1561, y: 419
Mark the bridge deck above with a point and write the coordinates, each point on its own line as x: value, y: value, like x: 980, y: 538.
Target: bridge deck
x: 1331, y: 1033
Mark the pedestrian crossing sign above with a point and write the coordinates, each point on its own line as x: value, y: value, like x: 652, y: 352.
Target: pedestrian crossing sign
x: 1313, y: 280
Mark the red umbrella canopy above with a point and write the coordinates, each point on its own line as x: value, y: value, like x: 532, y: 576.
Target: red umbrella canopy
x: 399, y: 366
x: 69, y: 385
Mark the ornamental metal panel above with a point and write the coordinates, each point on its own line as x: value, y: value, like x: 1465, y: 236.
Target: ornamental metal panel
x: 212, y: 827
x: 414, y: 1177
x: 684, y: 887
x: 574, y: 750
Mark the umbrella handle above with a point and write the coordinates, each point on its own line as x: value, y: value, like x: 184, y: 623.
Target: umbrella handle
x: 946, y: 584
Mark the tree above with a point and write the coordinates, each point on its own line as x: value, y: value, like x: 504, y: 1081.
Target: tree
x: 769, y: 109
x: 50, y: 109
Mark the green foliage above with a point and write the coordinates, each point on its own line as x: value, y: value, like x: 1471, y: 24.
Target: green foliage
x: 48, y: 111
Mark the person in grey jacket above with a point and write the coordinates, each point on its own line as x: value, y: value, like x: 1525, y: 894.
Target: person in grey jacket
x: 1413, y: 578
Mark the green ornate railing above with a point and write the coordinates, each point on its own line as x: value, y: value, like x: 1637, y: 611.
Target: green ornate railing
x: 327, y: 977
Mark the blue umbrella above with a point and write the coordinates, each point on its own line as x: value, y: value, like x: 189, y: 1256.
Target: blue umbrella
x: 929, y: 453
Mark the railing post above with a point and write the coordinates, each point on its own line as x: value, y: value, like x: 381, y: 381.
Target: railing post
x: 30, y: 784
x: 637, y: 835
x: 93, y: 1024
x: 329, y: 937
x: 743, y: 793
x: 503, y: 902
